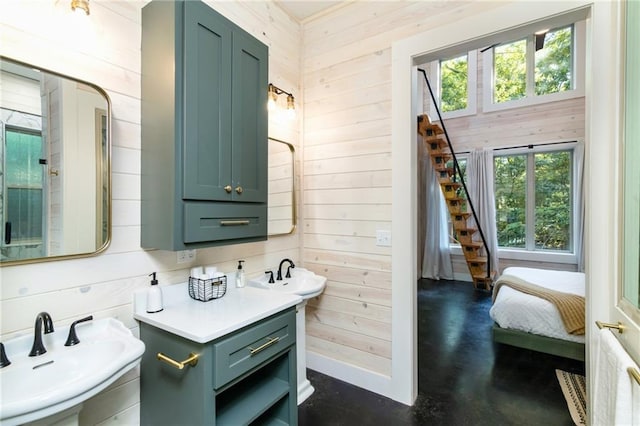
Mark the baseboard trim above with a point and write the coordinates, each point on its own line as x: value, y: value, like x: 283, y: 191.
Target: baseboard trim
x: 352, y: 374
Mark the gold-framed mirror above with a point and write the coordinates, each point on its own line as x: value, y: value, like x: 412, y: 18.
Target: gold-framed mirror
x: 282, y: 194
x: 55, y: 165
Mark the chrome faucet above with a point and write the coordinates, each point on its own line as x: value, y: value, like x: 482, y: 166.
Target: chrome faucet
x: 38, y: 348
x: 291, y: 265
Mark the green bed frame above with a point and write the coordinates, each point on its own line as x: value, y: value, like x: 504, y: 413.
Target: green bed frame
x: 534, y: 342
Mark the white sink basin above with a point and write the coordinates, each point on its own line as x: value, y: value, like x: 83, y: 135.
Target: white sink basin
x: 36, y: 387
x: 302, y: 282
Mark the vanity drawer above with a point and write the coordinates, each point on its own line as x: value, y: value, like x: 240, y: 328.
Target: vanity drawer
x: 205, y: 221
x: 249, y: 348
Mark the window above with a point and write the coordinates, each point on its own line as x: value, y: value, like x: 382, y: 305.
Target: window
x: 510, y: 71
x: 554, y: 61
x: 534, y: 199
x: 456, y: 85
x: 23, y: 180
x: 539, y: 68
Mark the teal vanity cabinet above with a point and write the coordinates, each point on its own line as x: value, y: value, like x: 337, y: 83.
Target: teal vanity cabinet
x: 246, y: 377
x: 204, y: 129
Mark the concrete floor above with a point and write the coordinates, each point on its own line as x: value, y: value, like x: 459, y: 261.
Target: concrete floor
x: 464, y: 378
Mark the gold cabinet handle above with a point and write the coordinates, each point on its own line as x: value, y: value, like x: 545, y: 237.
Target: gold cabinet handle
x: 228, y: 189
x: 239, y: 189
x: 271, y: 341
x: 234, y: 222
x: 617, y: 326
x: 192, y: 360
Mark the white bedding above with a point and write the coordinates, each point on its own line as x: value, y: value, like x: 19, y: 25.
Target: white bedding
x: 519, y: 311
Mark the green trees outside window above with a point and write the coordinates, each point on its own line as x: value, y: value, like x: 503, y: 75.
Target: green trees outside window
x: 510, y: 180
x: 454, y: 74
x: 553, y: 63
x: 510, y: 68
x: 537, y: 65
x: 533, y: 194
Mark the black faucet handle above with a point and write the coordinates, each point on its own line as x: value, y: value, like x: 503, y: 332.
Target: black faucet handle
x: 288, y: 275
x: 4, y: 361
x: 271, y: 281
x: 72, y: 339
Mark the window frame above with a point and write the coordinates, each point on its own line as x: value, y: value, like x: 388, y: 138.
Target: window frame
x: 472, y: 85
x: 530, y: 99
x: 537, y: 255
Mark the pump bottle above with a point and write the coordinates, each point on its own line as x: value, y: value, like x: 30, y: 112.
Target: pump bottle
x: 240, y: 280
x: 154, y: 296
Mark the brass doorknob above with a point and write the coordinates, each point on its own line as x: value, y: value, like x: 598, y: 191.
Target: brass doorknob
x: 228, y: 189
x: 239, y: 190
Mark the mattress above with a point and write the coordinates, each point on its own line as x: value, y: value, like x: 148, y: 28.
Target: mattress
x: 515, y: 310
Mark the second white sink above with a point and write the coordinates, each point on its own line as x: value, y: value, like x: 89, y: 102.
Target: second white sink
x: 303, y: 282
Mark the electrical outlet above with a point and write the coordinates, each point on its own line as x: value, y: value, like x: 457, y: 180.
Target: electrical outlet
x: 383, y: 238
x: 186, y: 256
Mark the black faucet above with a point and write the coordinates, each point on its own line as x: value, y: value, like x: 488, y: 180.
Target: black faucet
x: 291, y: 265
x: 72, y: 339
x: 271, y: 281
x: 38, y: 348
x: 4, y: 361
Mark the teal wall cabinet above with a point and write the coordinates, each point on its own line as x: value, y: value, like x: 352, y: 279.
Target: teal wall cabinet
x: 204, y: 129
x: 247, y: 377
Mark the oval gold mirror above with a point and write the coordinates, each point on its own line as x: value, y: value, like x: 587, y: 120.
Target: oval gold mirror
x: 54, y: 165
x: 282, y: 196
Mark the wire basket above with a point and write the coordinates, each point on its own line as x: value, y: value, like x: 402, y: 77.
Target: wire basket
x: 205, y: 290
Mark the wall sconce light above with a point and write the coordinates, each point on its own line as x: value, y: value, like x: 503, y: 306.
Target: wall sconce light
x: 274, y: 92
x: 80, y: 4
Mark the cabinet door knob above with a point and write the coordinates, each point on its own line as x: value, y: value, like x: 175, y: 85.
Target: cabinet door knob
x: 228, y: 189
x: 239, y: 190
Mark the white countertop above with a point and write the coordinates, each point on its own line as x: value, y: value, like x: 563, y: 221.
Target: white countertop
x: 203, y: 322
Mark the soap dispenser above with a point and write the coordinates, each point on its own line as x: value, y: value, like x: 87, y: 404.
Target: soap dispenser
x: 154, y: 296
x: 240, y: 280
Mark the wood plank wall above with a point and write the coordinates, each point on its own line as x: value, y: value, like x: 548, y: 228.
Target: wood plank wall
x: 347, y: 165
x: 104, y: 48
x: 347, y: 171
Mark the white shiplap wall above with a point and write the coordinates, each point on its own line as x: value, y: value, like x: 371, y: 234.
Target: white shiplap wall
x: 104, y: 48
x: 347, y: 174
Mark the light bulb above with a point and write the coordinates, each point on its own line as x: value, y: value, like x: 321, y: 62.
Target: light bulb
x: 272, y: 98
x: 80, y: 5
x: 291, y: 107
x: 271, y: 103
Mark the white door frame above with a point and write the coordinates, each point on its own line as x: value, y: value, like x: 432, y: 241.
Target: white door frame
x: 602, y: 139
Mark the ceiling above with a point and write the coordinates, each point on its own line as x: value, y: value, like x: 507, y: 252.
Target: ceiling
x: 304, y: 9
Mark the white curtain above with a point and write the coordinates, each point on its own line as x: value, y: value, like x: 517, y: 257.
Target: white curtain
x: 578, y: 177
x: 436, y: 262
x: 481, y: 192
